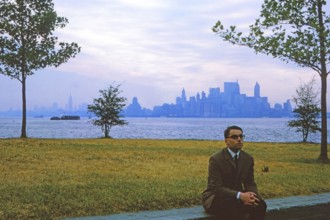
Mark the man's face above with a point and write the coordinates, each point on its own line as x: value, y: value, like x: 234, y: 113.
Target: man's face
x: 235, y: 140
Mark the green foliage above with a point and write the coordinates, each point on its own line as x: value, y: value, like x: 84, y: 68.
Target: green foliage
x: 294, y: 31
x: 27, y: 42
x: 307, y: 120
x: 288, y: 29
x: 108, y: 108
x: 307, y: 110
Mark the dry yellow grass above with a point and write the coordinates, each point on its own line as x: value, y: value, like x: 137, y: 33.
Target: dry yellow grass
x: 50, y: 179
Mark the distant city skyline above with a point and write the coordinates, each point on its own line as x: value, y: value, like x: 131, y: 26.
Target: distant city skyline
x: 154, y: 49
x: 228, y: 102
x: 225, y: 101
x: 71, y: 104
x: 70, y: 101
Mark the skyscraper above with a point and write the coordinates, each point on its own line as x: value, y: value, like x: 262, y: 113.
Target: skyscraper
x: 183, y: 96
x: 231, y: 88
x: 257, y: 90
x: 70, y: 105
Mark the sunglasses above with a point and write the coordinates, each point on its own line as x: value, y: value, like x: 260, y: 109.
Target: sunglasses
x: 235, y: 137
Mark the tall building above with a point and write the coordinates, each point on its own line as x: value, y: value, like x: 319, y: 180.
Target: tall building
x: 214, y: 92
x: 257, y: 90
x: 134, y: 109
x: 231, y: 88
x: 183, y: 96
x: 70, y: 104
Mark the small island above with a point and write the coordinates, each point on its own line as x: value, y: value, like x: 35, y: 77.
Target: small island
x: 66, y: 117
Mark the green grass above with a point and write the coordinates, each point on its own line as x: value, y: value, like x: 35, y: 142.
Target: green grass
x: 58, y: 178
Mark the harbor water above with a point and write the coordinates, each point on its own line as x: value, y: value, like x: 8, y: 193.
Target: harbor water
x: 255, y: 129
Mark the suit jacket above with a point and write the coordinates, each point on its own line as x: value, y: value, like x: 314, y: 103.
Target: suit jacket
x: 224, y: 181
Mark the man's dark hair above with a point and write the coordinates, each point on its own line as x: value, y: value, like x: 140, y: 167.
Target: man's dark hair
x: 234, y: 127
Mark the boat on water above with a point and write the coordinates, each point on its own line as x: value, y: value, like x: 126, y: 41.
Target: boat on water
x: 66, y: 117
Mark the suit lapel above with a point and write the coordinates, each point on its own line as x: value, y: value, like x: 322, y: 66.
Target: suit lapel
x: 241, y: 161
x: 229, y: 158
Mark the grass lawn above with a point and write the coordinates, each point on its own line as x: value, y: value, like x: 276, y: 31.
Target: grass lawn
x: 57, y: 178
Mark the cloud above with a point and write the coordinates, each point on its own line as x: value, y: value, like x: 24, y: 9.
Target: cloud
x: 157, y: 47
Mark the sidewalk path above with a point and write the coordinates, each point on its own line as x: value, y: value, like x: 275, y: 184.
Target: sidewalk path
x: 313, y: 207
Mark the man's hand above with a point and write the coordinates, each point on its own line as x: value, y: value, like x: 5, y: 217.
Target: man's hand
x: 249, y: 198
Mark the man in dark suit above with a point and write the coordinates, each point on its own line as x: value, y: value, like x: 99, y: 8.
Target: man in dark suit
x: 231, y: 191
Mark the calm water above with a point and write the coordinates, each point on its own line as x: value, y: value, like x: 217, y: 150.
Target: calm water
x: 258, y: 130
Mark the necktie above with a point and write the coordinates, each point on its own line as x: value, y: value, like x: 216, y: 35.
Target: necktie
x: 236, y: 161
x: 238, y: 184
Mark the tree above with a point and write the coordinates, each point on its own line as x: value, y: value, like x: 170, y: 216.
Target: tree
x: 307, y: 110
x: 27, y: 43
x: 108, y: 108
x: 294, y: 31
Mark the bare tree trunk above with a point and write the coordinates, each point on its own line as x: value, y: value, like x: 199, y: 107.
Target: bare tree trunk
x: 324, y: 142
x: 23, y: 130
x: 324, y: 132
x: 106, y: 131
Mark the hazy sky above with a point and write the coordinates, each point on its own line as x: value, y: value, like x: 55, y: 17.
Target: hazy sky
x: 154, y: 48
